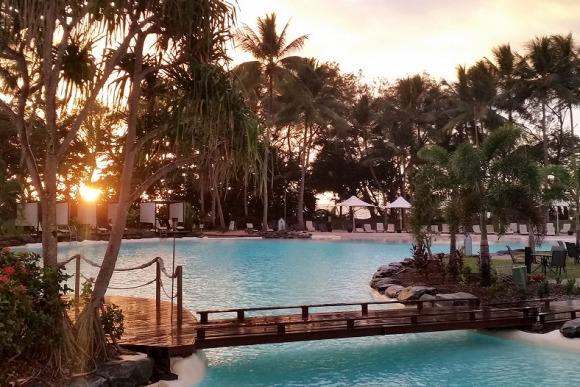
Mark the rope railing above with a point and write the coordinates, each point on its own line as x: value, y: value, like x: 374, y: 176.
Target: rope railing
x: 160, y: 268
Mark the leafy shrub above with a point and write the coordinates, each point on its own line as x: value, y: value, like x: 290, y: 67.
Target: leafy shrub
x: 543, y: 289
x: 570, y: 286
x: 420, y: 259
x: 31, y: 307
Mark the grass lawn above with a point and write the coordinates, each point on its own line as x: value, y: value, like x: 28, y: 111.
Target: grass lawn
x: 573, y: 269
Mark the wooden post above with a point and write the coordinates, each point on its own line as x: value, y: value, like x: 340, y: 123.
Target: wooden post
x: 158, y: 291
x: 240, y: 313
x: 179, y: 295
x: 77, y: 284
x: 305, y: 312
x: 365, y: 309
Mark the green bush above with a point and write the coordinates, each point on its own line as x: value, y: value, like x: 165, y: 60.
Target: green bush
x: 30, y: 304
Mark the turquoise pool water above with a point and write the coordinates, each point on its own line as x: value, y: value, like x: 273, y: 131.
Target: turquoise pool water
x: 243, y: 273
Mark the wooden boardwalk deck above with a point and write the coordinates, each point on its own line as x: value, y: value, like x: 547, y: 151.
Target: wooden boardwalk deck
x: 147, y: 332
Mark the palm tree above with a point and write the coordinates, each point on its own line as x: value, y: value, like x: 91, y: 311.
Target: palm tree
x: 507, y: 70
x: 271, y: 68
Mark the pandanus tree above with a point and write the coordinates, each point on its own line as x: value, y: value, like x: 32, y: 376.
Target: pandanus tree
x: 263, y: 77
x: 41, y: 40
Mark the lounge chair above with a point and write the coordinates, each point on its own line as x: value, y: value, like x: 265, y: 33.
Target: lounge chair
x: 250, y: 228
x: 434, y: 228
x: 309, y: 226
x: 232, y: 226
x: 566, y: 228
x: 359, y: 229
x: 445, y: 228
x: 512, y: 228
x: 476, y: 229
x: 489, y: 229
x: 523, y: 229
x: 513, y: 256
x: 550, y: 230
x: 390, y: 227
x: 367, y: 227
x: 380, y: 227
x: 161, y: 230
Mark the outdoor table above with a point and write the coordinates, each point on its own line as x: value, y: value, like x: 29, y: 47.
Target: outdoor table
x: 544, y: 257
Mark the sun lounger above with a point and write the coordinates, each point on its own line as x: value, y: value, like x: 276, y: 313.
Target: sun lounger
x: 550, y: 230
x: 445, y: 228
x: 359, y: 229
x: 380, y: 227
x: 512, y: 228
x: 232, y: 226
x: 523, y: 229
x: 367, y: 227
x: 390, y: 227
x: 434, y: 228
x: 513, y: 256
x: 250, y: 228
x: 565, y: 228
x: 309, y: 226
x: 476, y: 229
x: 489, y: 229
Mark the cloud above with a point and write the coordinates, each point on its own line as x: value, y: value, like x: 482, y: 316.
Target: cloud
x: 392, y: 38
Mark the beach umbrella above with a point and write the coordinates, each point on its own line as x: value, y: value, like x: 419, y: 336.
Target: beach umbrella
x: 401, y: 204
x: 353, y: 201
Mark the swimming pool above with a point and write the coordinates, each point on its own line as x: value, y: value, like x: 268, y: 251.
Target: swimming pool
x: 244, y: 273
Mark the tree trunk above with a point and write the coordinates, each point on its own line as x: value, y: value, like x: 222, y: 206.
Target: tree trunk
x: 265, y: 190
x: 484, y: 252
x: 48, y: 210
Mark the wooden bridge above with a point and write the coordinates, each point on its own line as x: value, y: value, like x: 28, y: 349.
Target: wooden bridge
x: 148, y: 332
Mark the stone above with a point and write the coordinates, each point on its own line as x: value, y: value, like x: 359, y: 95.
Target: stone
x: 571, y: 329
x: 393, y: 291
x: 450, y: 299
x: 384, y: 283
x: 407, y: 262
x: 129, y: 371
x: 412, y: 293
x: 381, y: 282
x: 388, y: 270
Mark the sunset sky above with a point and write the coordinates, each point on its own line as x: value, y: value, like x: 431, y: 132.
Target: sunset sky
x: 394, y: 38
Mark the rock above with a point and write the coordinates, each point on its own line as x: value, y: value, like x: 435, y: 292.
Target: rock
x: 415, y: 292
x: 129, y: 371
x: 383, y: 283
x: 393, y: 291
x: 388, y: 270
x: 571, y: 328
x: 407, y: 262
x: 450, y: 299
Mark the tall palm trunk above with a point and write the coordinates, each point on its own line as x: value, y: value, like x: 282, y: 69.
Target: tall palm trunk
x: 303, y: 162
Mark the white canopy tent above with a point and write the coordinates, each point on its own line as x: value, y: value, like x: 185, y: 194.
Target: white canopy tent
x: 401, y: 204
x: 353, y: 201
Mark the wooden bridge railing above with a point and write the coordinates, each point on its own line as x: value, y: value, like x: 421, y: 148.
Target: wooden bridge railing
x: 306, y: 309
x: 178, y: 275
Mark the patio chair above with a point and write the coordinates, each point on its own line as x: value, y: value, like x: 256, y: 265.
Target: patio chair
x: 476, y: 229
x: 573, y: 251
x: 558, y: 262
x: 367, y: 227
x: 550, y: 230
x: 380, y: 227
x: 513, y: 256
x: 523, y: 229
x: 390, y: 227
x: 309, y: 226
